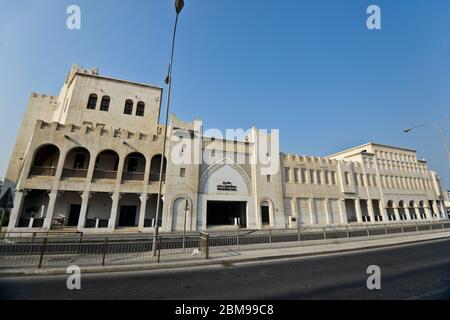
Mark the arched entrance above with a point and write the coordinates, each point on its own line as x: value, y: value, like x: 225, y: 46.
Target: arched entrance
x: 225, y: 200
x: 181, y: 213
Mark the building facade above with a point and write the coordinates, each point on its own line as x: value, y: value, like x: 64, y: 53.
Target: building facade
x: 90, y: 159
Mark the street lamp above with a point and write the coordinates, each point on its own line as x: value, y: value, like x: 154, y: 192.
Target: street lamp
x: 440, y: 129
x: 179, y: 4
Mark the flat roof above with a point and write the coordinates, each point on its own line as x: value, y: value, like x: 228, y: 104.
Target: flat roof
x: 371, y: 144
x: 118, y: 80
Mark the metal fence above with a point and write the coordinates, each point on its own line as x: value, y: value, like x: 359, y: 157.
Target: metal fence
x: 242, y: 239
x: 47, y: 250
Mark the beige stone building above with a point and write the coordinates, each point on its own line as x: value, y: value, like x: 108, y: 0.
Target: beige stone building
x: 89, y: 160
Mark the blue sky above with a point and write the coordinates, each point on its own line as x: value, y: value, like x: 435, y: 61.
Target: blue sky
x: 309, y: 68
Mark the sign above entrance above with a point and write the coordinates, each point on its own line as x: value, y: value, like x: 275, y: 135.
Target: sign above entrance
x: 226, y: 186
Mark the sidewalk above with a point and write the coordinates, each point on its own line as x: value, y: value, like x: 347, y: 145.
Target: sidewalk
x: 228, y: 256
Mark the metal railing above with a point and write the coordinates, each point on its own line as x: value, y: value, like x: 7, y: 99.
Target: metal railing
x: 74, y: 173
x: 133, y: 176
x: 105, y: 175
x: 42, y: 171
x: 154, y: 177
x: 53, y: 249
x: 43, y: 251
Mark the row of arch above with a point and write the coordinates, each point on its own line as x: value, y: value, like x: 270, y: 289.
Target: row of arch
x: 106, y: 100
x: 77, y: 161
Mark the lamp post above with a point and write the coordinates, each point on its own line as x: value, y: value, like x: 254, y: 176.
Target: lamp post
x: 186, y: 210
x: 179, y: 4
x: 440, y: 129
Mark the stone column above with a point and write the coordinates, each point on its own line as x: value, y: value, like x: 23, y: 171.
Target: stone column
x: 311, y: 211
x: 371, y: 211
x: 443, y: 210
x: 144, y: 197
x: 85, y: 197
x: 358, y: 210
x: 343, y: 211
x: 327, y: 210
x: 114, y: 210
x: 19, y: 198
x: 428, y: 213
x: 417, y: 212
x: 397, y: 214
x: 436, y: 209
x: 50, y: 209
x: 383, y: 211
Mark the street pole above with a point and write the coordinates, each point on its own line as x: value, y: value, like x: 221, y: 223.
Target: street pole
x: 441, y: 131
x: 178, y: 7
x: 186, y: 209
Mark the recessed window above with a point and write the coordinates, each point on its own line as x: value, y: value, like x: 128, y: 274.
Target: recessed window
x: 140, y: 110
x: 92, y: 102
x: 269, y: 177
x: 105, y: 103
x: 128, y: 107
x: 183, y: 172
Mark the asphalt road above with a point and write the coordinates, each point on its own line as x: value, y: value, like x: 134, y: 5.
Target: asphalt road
x: 417, y: 271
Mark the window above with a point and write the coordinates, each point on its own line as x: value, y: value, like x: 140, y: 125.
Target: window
x: 287, y: 172
x: 140, y: 110
x: 183, y: 172
x: 303, y: 175
x: 319, y: 177
x: 92, y: 102
x: 128, y: 107
x: 296, y: 175
x: 105, y: 103
x: 268, y: 178
x: 327, y: 177
x: 312, y: 178
x: 333, y: 178
x: 347, y: 178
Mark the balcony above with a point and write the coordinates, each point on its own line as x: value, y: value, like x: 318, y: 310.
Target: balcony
x: 133, y: 176
x: 154, y: 177
x: 74, y: 173
x: 105, y: 175
x: 37, y: 171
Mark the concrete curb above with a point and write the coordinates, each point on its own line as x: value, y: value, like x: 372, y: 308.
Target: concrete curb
x: 214, y: 262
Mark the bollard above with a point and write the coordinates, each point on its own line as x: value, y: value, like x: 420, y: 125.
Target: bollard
x: 41, y: 258
x: 105, y: 249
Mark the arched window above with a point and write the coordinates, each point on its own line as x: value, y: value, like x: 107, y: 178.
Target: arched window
x: 128, y: 107
x: 92, y: 102
x: 105, y: 103
x: 140, y: 110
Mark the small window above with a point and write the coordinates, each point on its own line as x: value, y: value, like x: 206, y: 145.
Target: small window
x: 92, y: 102
x: 128, y: 107
x: 268, y: 178
x: 183, y: 172
x: 140, y: 110
x: 105, y: 103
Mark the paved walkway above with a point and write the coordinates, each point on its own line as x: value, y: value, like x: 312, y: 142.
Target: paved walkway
x: 227, y: 256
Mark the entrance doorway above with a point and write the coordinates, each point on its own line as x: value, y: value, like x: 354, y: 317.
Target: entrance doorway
x: 226, y: 213
x: 265, y: 215
x: 74, y: 215
x: 127, y: 216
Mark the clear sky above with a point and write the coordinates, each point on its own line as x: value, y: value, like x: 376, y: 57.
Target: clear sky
x: 309, y: 68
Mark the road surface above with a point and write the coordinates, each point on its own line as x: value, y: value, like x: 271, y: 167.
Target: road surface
x: 415, y: 271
